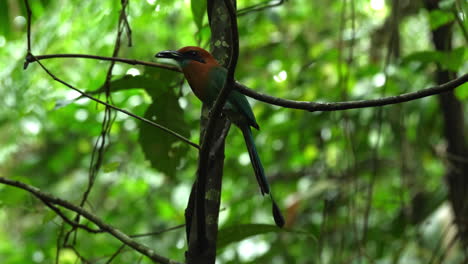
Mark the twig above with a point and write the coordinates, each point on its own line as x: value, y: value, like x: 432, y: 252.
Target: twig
x: 336, y: 106
x: 77, y: 253
x: 96, y: 57
x: 300, y: 105
x: 31, y: 58
x: 72, y: 223
x: 58, y: 244
x: 125, y: 4
x: 229, y: 83
x: 116, y: 253
x: 97, y: 156
x: 155, y: 233
x: 459, y: 20
x: 258, y: 7
x: 167, y: 130
x: 29, y: 14
x: 91, y: 217
x: 235, y: 46
x: 379, y: 118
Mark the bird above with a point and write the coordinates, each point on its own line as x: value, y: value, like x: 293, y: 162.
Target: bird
x: 206, y: 78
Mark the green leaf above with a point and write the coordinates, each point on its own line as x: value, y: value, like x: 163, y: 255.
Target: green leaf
x: 238, y: 233
x: 151, y: 81
x: 164, y: 151
x: 451, y: 60
x: 422, y: 56
x: 438, y: 18
x: 462, y: 92
x: 232, y: 234
x: 128, y: 82
x: 48, y: 217
x: 110, y: 167
x: 160, y: 80
x: 10, y: 196
x: 4, y: 19
x: 446, y: 4
x: 198, y: 11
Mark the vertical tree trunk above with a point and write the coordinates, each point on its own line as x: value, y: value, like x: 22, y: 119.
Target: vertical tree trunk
x: 457, y: 151
x: 202, y: 243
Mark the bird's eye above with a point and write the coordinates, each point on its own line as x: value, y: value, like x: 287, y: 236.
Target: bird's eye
x: 194, y: 55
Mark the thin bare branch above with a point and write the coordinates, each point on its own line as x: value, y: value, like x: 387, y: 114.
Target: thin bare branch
x: 259, y: 7
x: 91, y: 217
x: 126, y: 24
x: 116, y: 253
x: 72, y: 223
x: 337, y: 106
x: 104, y: 58
x: 167, y: 130
x: 300, y: 105
x: 29, y: 14
x: 457, y: 11
x: 101, y: 142
x: 155, y: 233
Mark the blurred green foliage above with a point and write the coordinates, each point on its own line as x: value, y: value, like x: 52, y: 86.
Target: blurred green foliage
x: 349, y: 179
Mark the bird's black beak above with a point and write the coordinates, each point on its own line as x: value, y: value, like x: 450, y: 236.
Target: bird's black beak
x: 170, y: 54
x: 179, y: 56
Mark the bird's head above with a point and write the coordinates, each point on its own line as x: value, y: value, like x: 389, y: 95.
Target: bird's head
x: 196, y: 64
x: 190, y: 55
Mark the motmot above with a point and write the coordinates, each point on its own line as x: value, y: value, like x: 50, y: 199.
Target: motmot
x: 206, y: 78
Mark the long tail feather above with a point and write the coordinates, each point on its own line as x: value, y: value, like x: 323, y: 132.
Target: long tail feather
x: 260, y: 174
x: 279, y: 219
x: 255, y: 160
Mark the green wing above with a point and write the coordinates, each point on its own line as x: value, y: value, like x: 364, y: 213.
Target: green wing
x: 236, y: 104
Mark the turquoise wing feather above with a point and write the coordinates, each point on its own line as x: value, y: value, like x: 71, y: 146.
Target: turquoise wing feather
x: 240, y: 113
x: 237, y: 104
